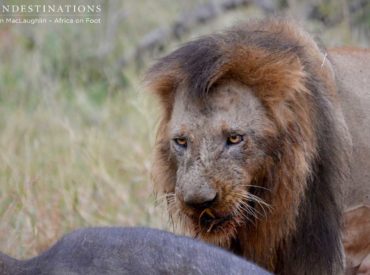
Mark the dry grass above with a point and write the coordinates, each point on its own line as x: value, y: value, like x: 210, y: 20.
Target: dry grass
x: 75, y: 138
x: 76, y: 134
x: 61, y: 169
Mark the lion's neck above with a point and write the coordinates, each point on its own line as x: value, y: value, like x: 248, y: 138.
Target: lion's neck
x: 257, y: 246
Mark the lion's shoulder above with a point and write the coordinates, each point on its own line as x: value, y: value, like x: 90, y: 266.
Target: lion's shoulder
x: 352, y: 70
x: 352, y: 67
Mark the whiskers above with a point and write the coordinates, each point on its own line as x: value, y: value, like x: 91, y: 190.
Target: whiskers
x: 245, y: 209
x: 238, y: 208
x: 168, y: 199
x: 179, y: 221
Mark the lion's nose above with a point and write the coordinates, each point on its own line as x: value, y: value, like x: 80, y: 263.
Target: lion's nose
x: 200, y: 200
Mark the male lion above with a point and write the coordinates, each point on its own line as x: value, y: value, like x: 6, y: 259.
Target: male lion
x: 253, y: 147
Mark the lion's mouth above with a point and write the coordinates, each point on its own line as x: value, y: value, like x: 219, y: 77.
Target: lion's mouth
x: 209, y: 221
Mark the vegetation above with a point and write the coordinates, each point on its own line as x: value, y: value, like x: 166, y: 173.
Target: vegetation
x: 76, y: 126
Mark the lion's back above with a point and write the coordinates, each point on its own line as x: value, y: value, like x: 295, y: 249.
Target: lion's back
x: 352, y: 69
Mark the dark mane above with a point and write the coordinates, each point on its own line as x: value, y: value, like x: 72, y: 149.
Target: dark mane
x: 201, y: 60
x: 290, y: 74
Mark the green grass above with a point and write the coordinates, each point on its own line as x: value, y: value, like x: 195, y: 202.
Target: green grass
x: 76, y: 131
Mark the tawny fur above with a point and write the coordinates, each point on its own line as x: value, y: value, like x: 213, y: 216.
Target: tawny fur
x: 291, y: 76
x: 356, y: 239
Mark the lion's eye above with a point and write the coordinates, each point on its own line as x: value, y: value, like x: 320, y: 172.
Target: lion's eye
x: 234, y: 139
x: 181, y: 141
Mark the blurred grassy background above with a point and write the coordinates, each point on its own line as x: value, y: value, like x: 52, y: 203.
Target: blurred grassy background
x: 76, y: 127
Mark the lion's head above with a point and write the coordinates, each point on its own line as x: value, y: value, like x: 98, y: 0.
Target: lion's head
x: 248, y: 154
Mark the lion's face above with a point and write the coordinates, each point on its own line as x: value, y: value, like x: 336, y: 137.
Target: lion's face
x: 217, y: 149
x: 250, y: 153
